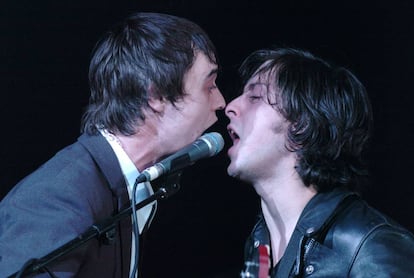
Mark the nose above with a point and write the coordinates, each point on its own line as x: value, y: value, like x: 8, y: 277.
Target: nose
x: 231, y: 108
x: 219, y: 102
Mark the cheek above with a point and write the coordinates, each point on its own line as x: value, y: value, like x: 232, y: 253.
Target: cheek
x: 198, y: 115
x: 196, y: 119
x: 205, y: 110
x: 262, y: 138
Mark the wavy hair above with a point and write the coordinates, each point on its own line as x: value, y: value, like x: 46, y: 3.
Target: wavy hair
x: 146, y: 55
x: 328, y: 109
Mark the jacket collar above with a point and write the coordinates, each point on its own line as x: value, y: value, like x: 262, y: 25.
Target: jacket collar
x: 107, y: 162
x: 106, y: 159
x: 314, y: 216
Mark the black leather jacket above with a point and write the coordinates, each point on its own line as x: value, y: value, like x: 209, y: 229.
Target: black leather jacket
x: 337, y: 235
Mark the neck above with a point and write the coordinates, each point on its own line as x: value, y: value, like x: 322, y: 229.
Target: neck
x: 143, y: 147
x: 283, y: 200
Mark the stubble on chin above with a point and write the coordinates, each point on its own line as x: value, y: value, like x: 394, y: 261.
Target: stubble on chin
x: 231, y: 171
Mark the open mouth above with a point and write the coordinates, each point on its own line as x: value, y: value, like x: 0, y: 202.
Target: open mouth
x: 233, y: 135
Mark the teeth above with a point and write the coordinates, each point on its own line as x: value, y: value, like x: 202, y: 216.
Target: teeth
x: 233, y: 134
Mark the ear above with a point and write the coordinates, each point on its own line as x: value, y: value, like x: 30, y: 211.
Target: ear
x: 157, y: 104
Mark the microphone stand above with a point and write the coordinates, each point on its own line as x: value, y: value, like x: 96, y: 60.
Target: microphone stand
x: 105, y: 229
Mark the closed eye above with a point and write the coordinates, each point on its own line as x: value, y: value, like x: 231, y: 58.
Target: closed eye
x: 255, y: 91
x: 254, y: 98
x: 211, y: 88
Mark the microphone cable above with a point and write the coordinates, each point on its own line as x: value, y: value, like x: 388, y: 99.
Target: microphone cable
x: 135, y: 229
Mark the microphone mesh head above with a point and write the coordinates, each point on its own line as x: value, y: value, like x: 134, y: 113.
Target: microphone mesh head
x: 215, y: 141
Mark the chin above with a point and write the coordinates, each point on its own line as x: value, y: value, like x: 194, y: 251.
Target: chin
x: 230, y: 171
x: 233, y: 172
x: 239, y: 174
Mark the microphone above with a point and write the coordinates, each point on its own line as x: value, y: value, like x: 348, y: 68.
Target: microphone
x: 207, y: 145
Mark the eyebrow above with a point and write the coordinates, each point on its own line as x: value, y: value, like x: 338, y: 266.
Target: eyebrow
x: 249, y: 86
x: 255, y: 84
x: 212, y: 72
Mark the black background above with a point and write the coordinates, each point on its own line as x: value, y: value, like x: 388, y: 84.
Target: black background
x: 45, y: 47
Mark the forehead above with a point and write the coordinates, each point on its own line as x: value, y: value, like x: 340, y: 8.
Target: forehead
x: 264, y: 79
x: 265, y: 73
x: 202, y: 66
x: 264, y: 83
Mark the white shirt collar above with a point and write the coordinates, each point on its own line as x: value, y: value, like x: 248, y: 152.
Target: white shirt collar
x: 130, y: 173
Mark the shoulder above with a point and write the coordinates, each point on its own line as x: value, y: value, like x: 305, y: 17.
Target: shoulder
x: 373, y: 241
x: 70, y: 178
x: 360, y: 220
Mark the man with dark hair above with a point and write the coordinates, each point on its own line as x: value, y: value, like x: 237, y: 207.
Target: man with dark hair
x: 299, y: 129
x: 153, y: 91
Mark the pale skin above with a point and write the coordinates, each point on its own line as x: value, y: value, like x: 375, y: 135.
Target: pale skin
x: 166, y: 128
x: 259, y: 156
